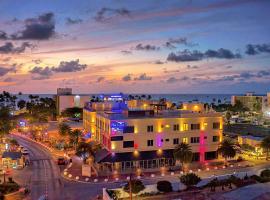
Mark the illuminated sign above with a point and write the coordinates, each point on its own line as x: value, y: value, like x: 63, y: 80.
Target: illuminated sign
x: 117, y: 126
x: 22, y: 123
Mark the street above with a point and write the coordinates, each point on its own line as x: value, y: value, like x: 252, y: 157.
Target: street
x: 43, y: 177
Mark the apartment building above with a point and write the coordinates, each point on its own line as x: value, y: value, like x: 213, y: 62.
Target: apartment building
x: 146, y: 138
x: 251, y: 101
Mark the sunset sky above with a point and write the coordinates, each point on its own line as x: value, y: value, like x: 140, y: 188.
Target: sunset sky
x: 138, y: 46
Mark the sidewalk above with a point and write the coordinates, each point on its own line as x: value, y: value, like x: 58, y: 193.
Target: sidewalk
x: 73, y: 173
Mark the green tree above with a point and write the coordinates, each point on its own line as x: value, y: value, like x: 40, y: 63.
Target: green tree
x: 183, y: 153
x: 136, y: 186
x: 86, y: 150
x: 14, y: 142
x: 227, y: 149
x: 75, y: 112
x: 7, y: 100
x: 21, y: 104
x: 75, y: 136
x: 41, y: 109
x: 64, y: 129
x: 265, y: 173
x: 228, y: 117
x: 265, y: 144
x: 190, y: 179
x: 164, y: 186
x: 6, y: 121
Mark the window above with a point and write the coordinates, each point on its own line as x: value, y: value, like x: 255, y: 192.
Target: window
x: 215, y: 138
x: 150, y: 143
x: 167, y: 140
x: 128, y: 129
x: 176, y: 127
x: 185, y: 127
x: 195, y: 127
x: 117, y: 138
x: 175, y: 141
x: 211, y: 155
x: 216, y: 125
x: 185, y: 140
x: 128, y: 144
x: 194, y: 139
x: 150, y: 128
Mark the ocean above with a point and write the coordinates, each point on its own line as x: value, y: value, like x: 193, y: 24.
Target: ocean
x: 176, y: 98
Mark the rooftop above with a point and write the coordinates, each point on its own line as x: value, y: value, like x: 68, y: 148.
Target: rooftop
x: 114, y: 115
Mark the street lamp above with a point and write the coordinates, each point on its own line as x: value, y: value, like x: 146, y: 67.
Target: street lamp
x: 4, y: 173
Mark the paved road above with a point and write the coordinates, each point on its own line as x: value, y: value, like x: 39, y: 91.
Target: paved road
x: 43, y: 177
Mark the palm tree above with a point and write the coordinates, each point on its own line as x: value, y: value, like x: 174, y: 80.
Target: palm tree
x: 228, y: 117
x: 64, y: 129
x: 183, y: 153
x: 74, y: 136
x: 86, y: 150
x: 265, y: 144
x: 227, y: 149
x: 6, y: 121
x: 21, y: 104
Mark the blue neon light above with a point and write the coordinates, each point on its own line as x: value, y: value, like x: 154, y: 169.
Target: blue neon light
x: 117, y: 126
x: 22, y: 123
x: 87, y: 135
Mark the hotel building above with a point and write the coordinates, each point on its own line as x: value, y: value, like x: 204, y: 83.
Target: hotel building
x: 65, y: 99
x: 250, y: 101
x: 146, y: 138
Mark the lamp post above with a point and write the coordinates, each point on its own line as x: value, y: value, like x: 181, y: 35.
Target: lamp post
x: 4, y: 173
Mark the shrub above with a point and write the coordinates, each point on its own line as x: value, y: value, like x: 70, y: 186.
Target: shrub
x: 164, y: 186
x: 265, y: 173
x: 190, y: 179
x: 114, y: 194
x: 260, y: 179
x: 136, y: 186
x: 256, y: 178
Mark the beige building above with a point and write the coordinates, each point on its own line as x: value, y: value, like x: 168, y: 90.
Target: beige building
x: 251, y: 141
x: 195, y: 107
x: 65, y: 99
x: 146, y: 138
x: 250, y: 101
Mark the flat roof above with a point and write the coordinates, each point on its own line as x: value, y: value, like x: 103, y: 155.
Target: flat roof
x: 177, y: 114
